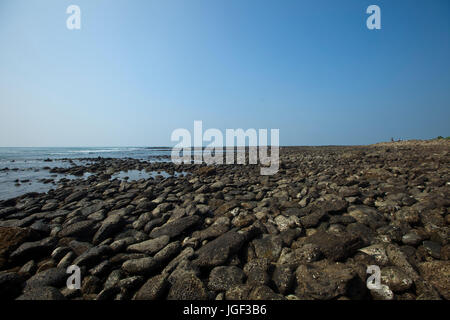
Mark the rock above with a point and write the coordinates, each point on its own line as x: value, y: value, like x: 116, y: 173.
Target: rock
x: 54, y: 277
x: 28, y: 268
x: 312, y: 219
x: 378, y: 252
x: 155, y: 288
x: 238, y: 292
x: 139, y: 266
x: 395, y: 279
x: 92, y: 256
x: 109, y: 226
x: 224, y: 277
x: 83, y: 229
x: 10, y: 285
x: 382, y: 293
x: 175, y: 228
x: 411, y: 239
x: 268, y: 247
x: 42, y: 228
x: 219, y: 227
x: 76, y: 196
x: 264, y: 293
x: 168, y: 252
x: 33, y: 250
x: 367, y: 216
x: 150, y: 246
x: 218, y: 251
x: 11, y: 238
x: 285, y: 223
x: 438, y: 274
x: 188, y: 288
x: 42, y: 293
x: 335, y: 247
x: 257, y: 271
x: 283, y: 278
x: 304, y: 254
x: 433, y: 249
x: 91, y: 285
x: 323, y: 281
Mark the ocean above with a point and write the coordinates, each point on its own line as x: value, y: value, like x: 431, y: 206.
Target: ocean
x: 23, y: 170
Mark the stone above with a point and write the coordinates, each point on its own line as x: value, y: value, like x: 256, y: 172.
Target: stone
x: 438, y: 274
x: 224, y: 277
x: 175, y: 228
x: 218, y: 251
x: 283, y: 278
x: 154, y: 289
x: 395, y: 279
x: 10, y: 285
x: 32, y: 250
x: 109, y: 226
x: 42, y: 293
x: 188, y: 288
x: 264, y: 293
x: 150, y: 246
x: 268, y: 247
x: 91, y: 256
x: 54, y: 277
x: 82, y: 229
x: 335, y: 247
x: 323, y: 281
x: 139, y: 266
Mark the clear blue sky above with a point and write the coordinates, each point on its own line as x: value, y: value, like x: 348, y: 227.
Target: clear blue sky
x: 137, y: 70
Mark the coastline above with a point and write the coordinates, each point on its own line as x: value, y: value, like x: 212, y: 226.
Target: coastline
x: 226, y: 232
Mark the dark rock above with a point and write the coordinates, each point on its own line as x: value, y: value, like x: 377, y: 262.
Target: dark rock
x: 322, y: 281
x: 42, y: 293
x: 218, y: 251
x: 10, y: 285
x: 223, y: 277
x: 175, y: 228
x: 188, y: 288
x: 155, y: 288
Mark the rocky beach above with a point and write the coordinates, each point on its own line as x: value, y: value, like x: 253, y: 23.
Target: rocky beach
x: 225, y: 232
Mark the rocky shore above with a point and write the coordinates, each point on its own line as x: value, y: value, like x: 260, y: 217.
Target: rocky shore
x: 226, y: 232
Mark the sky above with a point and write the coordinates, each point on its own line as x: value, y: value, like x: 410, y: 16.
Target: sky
x: 138, y: 70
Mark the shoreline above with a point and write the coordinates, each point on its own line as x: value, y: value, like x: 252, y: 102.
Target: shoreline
x: 225, y: 232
